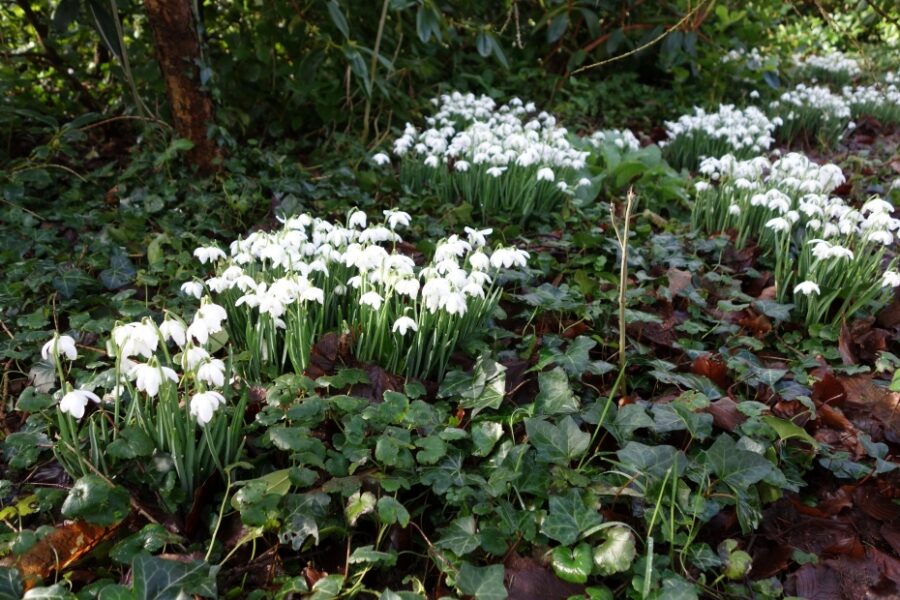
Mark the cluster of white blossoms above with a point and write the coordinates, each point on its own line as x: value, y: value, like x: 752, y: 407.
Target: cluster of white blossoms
x: 812, y: 112
x: 832, y: 64
x: 751, y: 59
x: 728, y: 130
x: 879, y: 101
x: 821, y: 244
x: 498, y: 158
x: 623, y: 139
x: 283, y: 289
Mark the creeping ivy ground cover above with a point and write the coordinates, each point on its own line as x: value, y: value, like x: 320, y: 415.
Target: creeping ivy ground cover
x: 514, y: 349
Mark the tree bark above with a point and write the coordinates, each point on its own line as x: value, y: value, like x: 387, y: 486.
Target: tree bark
x: 178, y: 54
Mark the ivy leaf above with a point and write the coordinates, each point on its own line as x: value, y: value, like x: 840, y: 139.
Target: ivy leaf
x: 433, y: 449
x: 485, y: 435
x: 54, y: 592
x: 573, y: 565
x: 483, y: 583
x: 616, y: 553
x: 460, y: 537
x: 629, y: 419
x: 368, y: 555
x: 96, y: 501
x: 737, y: 468
x: 390, y: 511
x: 328, y: 587
x: 559, y: 445
x: 10, y: 584
x: 120, y: 273
x: 131, y: 443
x: 300, y: 521
x: 555, y: 396
x: 150, y: 539
x: 359, y: 504
x: 160, y: 579
x: 569, y: 517
x: 653, y: 461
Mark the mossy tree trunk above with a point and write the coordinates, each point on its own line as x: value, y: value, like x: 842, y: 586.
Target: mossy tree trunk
x: 178, y: 53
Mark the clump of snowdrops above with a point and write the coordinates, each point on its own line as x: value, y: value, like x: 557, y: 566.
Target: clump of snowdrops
x: 835, y: 67
x: 879, y: 101
x: 506, y: 160
x: 162, y: 401
x: 282, y: 290
x: 829, y: 257
x: 623, y: 139
x: 729, y: 130
x: 812, y: 113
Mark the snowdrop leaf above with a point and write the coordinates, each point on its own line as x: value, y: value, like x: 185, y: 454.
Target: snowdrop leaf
x: 338, y: 18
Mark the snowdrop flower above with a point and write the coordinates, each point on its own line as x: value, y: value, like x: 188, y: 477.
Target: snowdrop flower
x: 496, y: 171
x: 208, y: 254
x: 75, y: 402
x: 372, y: 299
x: 204, y: 406
x: 381, y: 159
x: 397, y: 218
x: 778, y: 224
x: 213, y: 315
x: 477, y: 237
x: 407, y: 287
x: 212, y: 372
x: 404, y: 324
x: 509, y: 257
x: 545, y: 174
x: 136, y: 339
x: 881, y: 237
x: 61, y: 345
x: 357, y: 219
x: 461, y: 165
x: 192, y: 288
x: 173, y: 330
x: 890, y: 279
x: 192, y: 357
x: 734, y: 210
x: 806, y: 288
x: 149, y: 377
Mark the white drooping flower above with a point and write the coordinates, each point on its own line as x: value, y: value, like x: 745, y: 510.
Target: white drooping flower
x: 149, y: 377
x: 204, y: 405
x: 172, y: 329
x: 890, y: 279
x: 545, y: 174
x: 509, y: 257
x: 193, y: 357
x: 372, y: 299
x: 807, y: 288
x: 75, y: 402
x: 136, y: 339
x: 212, y: 372
x: 208, y: 254
x: 61, y: 345
x: 404, y: 324
x: 192, y: 288
x: 381, y: 159
x: 357, y: 219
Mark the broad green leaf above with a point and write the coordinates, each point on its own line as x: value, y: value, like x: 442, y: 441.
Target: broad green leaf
x: 368, y: 555
x: 152, y: 538
x: 54, y: 592
x: 120, y: 273
x: 96, y: 501
x: 653, y: 461
x: 557, y: 444
x: 10, y: 584
x: 390, y: 511
x: 737, y: 468
x: 573, y: 565
x: 569, y: 517
x: 160, y: 579
x: 555, y: 395
x: 460, y: 536
x: 359, y: 504
x: 787, y: 430
x: 485, y: 435
x: 432, y: 450
x: 616, y: 553
x: 328, y: 587
x: 483, y: 583
x: 557, y: 27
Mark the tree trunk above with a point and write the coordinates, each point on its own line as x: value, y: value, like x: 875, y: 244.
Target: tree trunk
x: 178, y: 54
